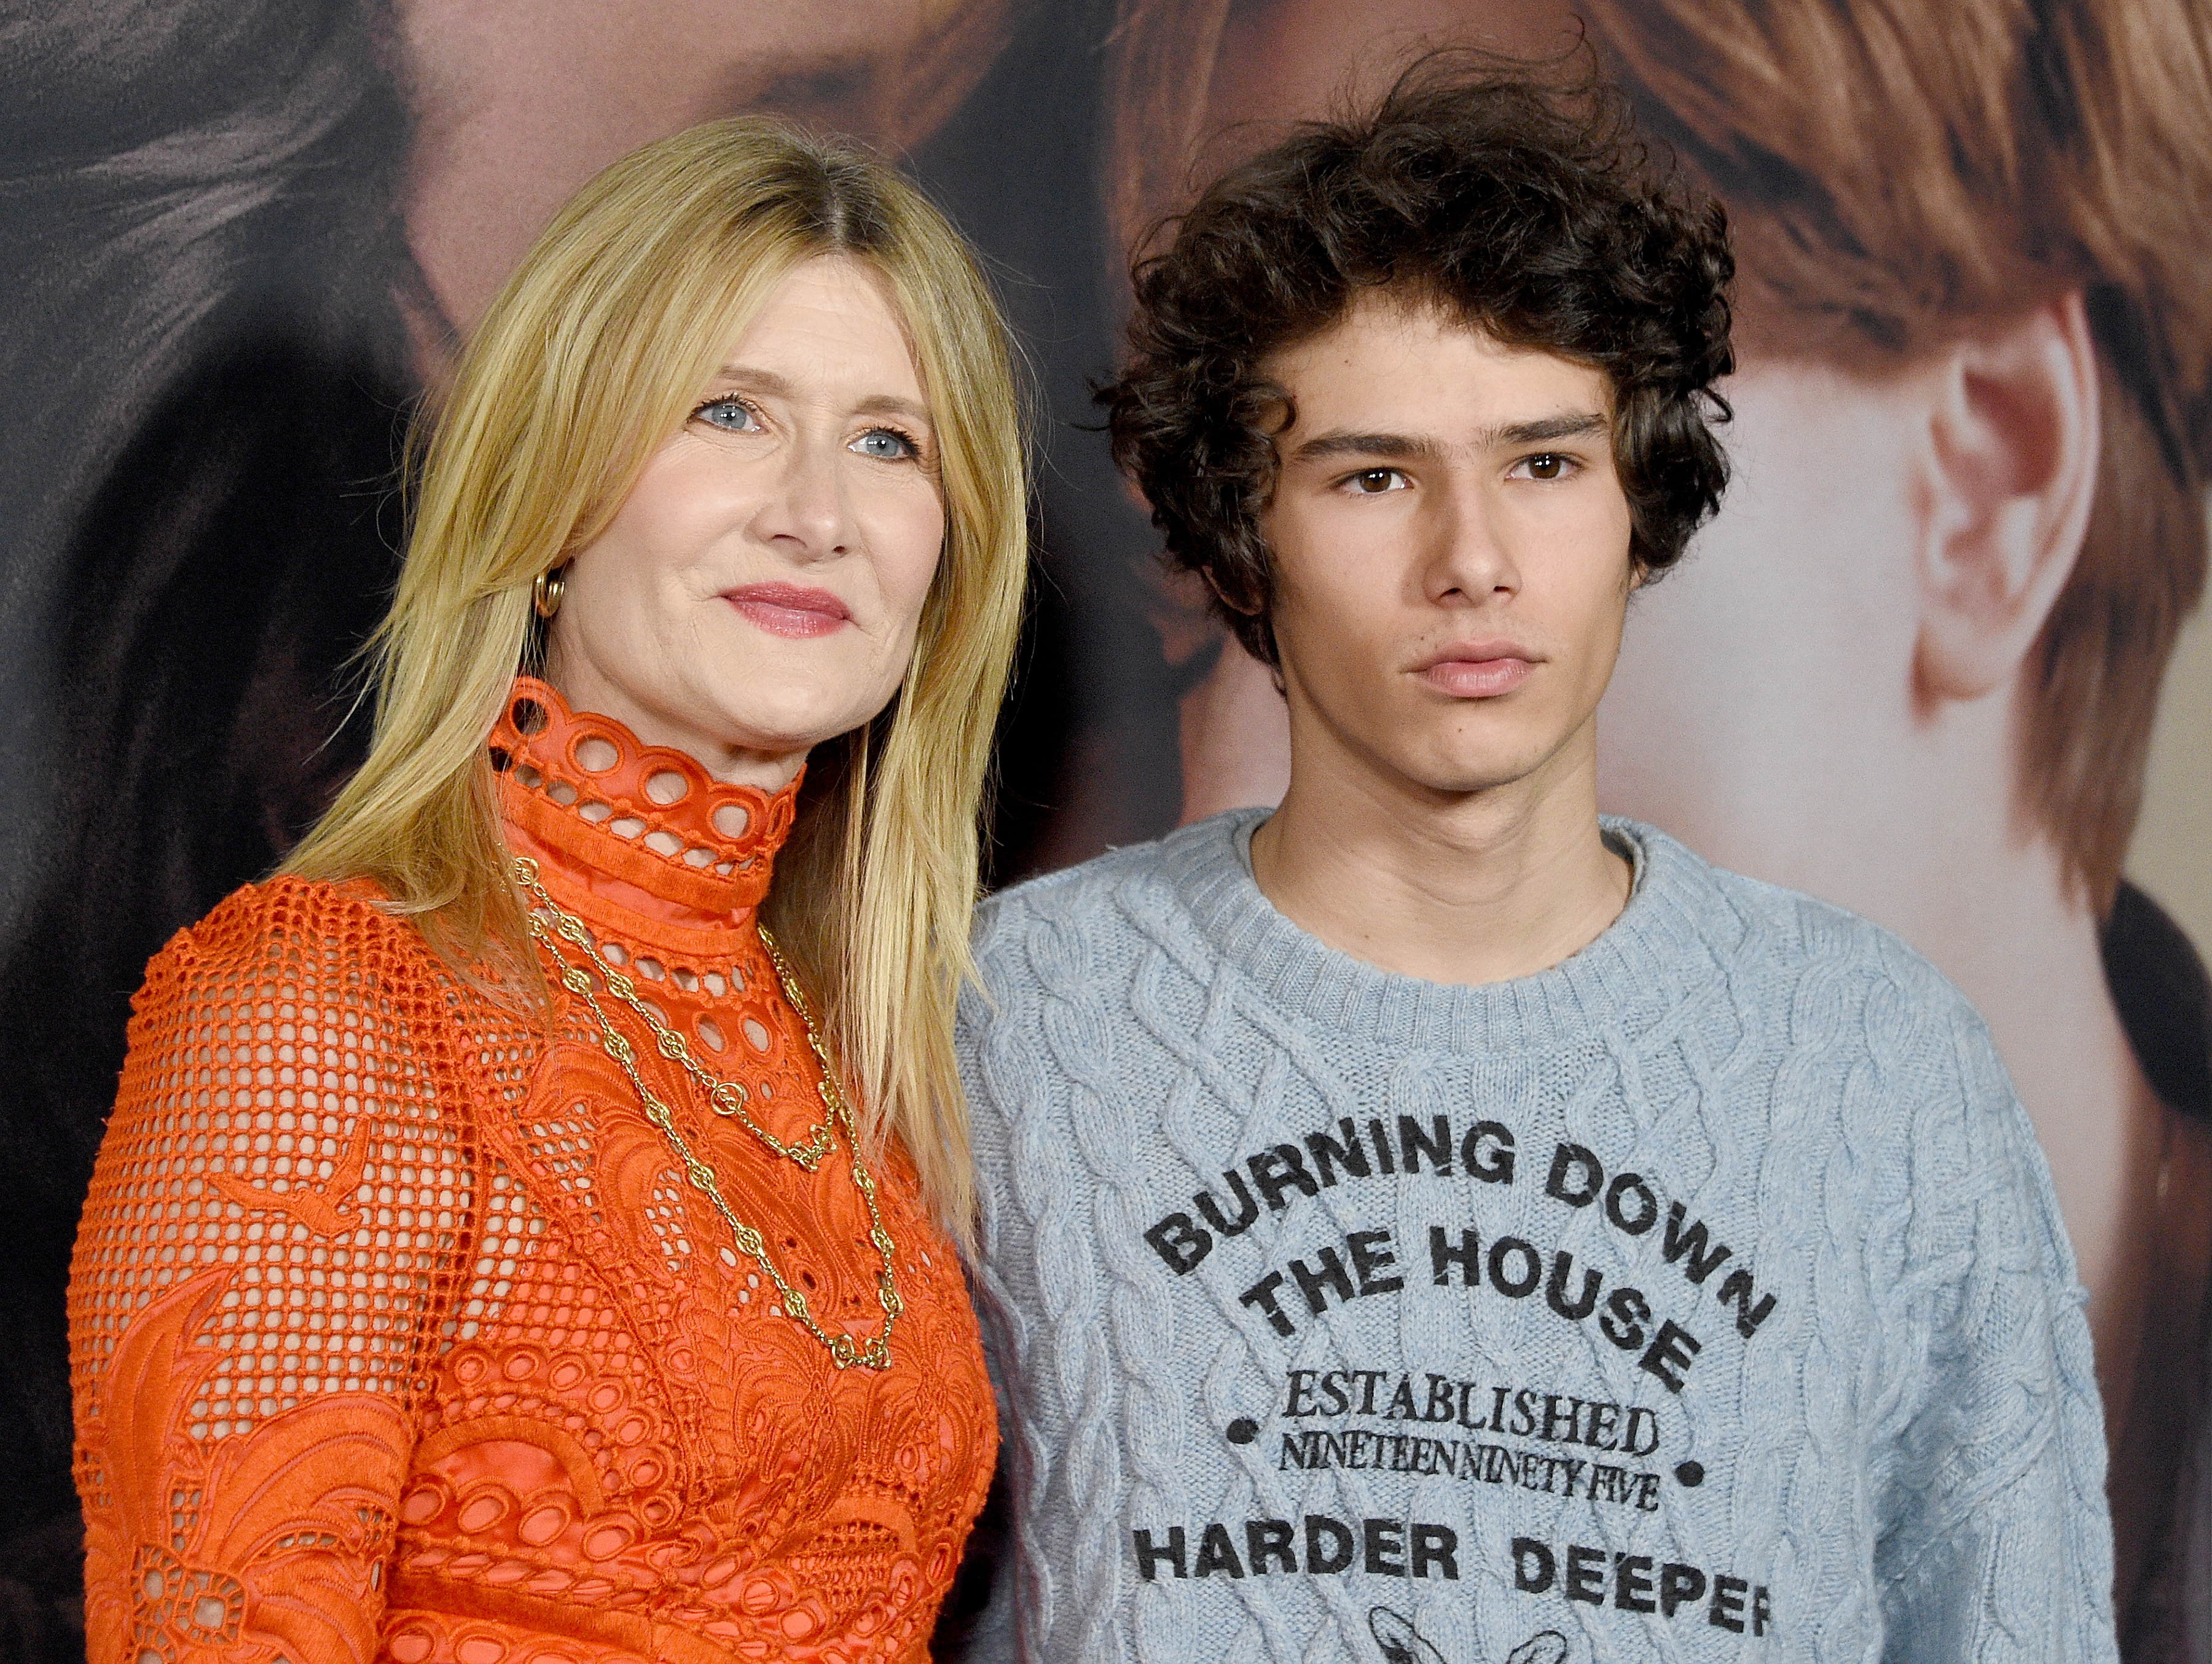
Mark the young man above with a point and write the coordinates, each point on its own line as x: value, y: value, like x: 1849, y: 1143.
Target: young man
x: 1914, y: 666
x: 1426, y: 1222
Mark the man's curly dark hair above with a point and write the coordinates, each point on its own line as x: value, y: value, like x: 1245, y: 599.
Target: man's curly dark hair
x: 1528, y: 208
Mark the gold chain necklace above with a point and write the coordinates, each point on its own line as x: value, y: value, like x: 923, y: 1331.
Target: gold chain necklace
x: 727, y: 1096
x: 875, y: 1353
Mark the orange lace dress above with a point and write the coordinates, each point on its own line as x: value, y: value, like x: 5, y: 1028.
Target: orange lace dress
x: 398, y: 1333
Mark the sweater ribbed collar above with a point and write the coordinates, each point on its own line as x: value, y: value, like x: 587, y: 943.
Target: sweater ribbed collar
x: 1675, y: 934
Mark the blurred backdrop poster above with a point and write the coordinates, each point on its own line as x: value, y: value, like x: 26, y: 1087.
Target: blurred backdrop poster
x: 1934, y: 661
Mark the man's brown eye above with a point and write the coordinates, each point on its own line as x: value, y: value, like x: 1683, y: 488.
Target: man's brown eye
x: 1545, y: 467
x: 1376, y: 479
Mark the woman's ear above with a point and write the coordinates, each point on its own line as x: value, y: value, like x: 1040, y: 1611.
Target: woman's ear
x: 2012, y: 468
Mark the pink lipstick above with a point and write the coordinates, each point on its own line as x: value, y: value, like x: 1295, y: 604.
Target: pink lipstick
x: 787, y: 610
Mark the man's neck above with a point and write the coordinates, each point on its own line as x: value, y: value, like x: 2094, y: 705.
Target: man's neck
x: 1465, y: 888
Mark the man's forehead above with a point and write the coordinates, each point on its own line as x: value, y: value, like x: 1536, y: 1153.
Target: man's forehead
x: 1387, y: 363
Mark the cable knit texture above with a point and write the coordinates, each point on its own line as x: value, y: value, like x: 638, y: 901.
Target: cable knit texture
x: 399, y: 1334
x: 1702, y: 1298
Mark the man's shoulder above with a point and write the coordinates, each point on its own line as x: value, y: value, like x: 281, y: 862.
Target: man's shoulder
x: 1113, y: 898
x: 1081, y: 895
x: 1798, y: 943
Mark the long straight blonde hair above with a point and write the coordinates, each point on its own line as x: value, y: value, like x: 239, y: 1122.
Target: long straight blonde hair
x: 589, y: 359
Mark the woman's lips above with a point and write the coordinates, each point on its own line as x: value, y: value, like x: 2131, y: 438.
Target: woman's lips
x: 787, y: 609
x: 1477, y: 672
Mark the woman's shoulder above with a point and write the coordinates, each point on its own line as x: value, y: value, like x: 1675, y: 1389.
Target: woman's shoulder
x: 291, y: 939
x: 303, y: 981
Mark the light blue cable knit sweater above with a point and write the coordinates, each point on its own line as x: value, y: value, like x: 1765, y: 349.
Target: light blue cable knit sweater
x: 1703, y: 1297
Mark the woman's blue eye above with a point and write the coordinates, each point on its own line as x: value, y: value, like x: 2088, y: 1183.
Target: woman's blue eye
x: 732, y: 416
x: 884, y: 443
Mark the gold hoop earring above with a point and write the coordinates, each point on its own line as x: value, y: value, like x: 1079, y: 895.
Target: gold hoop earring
x: 546, y: 592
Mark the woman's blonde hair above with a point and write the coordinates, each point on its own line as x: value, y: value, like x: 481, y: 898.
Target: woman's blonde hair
x: 588, y: 360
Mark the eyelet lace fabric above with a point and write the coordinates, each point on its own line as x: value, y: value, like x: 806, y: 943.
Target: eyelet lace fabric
x: 398, y: 1334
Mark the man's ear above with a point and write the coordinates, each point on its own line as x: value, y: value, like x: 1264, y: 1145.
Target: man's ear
x: 1248, y: 606
x: 2012, y: 468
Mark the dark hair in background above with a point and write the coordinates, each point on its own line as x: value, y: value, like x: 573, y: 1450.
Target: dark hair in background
x: 1527, y: 210
x: 206, y: 363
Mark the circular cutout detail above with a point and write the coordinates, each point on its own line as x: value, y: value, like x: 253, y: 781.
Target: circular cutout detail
x: 529, y: 716
x: 483, y: 1511
x: 423, y: 1504
x: 760, y: 1596
x: 542, y: 1525
x: 607, y: 1541
x: 595, y: 754
x: 667, y: 786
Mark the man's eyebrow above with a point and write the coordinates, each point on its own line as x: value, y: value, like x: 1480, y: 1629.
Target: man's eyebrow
x: 1341, y: 444
x: 1572, y: 424
x: 768, y: 381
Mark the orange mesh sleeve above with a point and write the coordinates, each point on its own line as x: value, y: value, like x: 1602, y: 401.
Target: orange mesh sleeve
x: 268, y: 1256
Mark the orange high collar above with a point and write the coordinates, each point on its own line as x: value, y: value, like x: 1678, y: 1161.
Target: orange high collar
x: 641, y: 827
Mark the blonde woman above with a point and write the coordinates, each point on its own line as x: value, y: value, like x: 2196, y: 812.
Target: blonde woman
x: 526, y: 1230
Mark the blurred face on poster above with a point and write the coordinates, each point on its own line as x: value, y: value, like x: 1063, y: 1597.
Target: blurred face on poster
x: 1911, y: 667
x: 518, y: 102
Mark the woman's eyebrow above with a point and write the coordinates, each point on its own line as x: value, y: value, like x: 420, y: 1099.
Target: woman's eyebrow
x: 892, y: 404
x: 768, y: 381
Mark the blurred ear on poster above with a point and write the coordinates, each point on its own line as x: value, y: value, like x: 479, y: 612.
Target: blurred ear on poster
x: 2012, y: 469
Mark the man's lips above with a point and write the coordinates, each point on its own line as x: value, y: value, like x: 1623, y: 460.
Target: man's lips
x: 1477, y: 669
x: 789, y: 610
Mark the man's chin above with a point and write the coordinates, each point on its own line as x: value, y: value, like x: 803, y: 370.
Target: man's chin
x: 1462, y: 781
